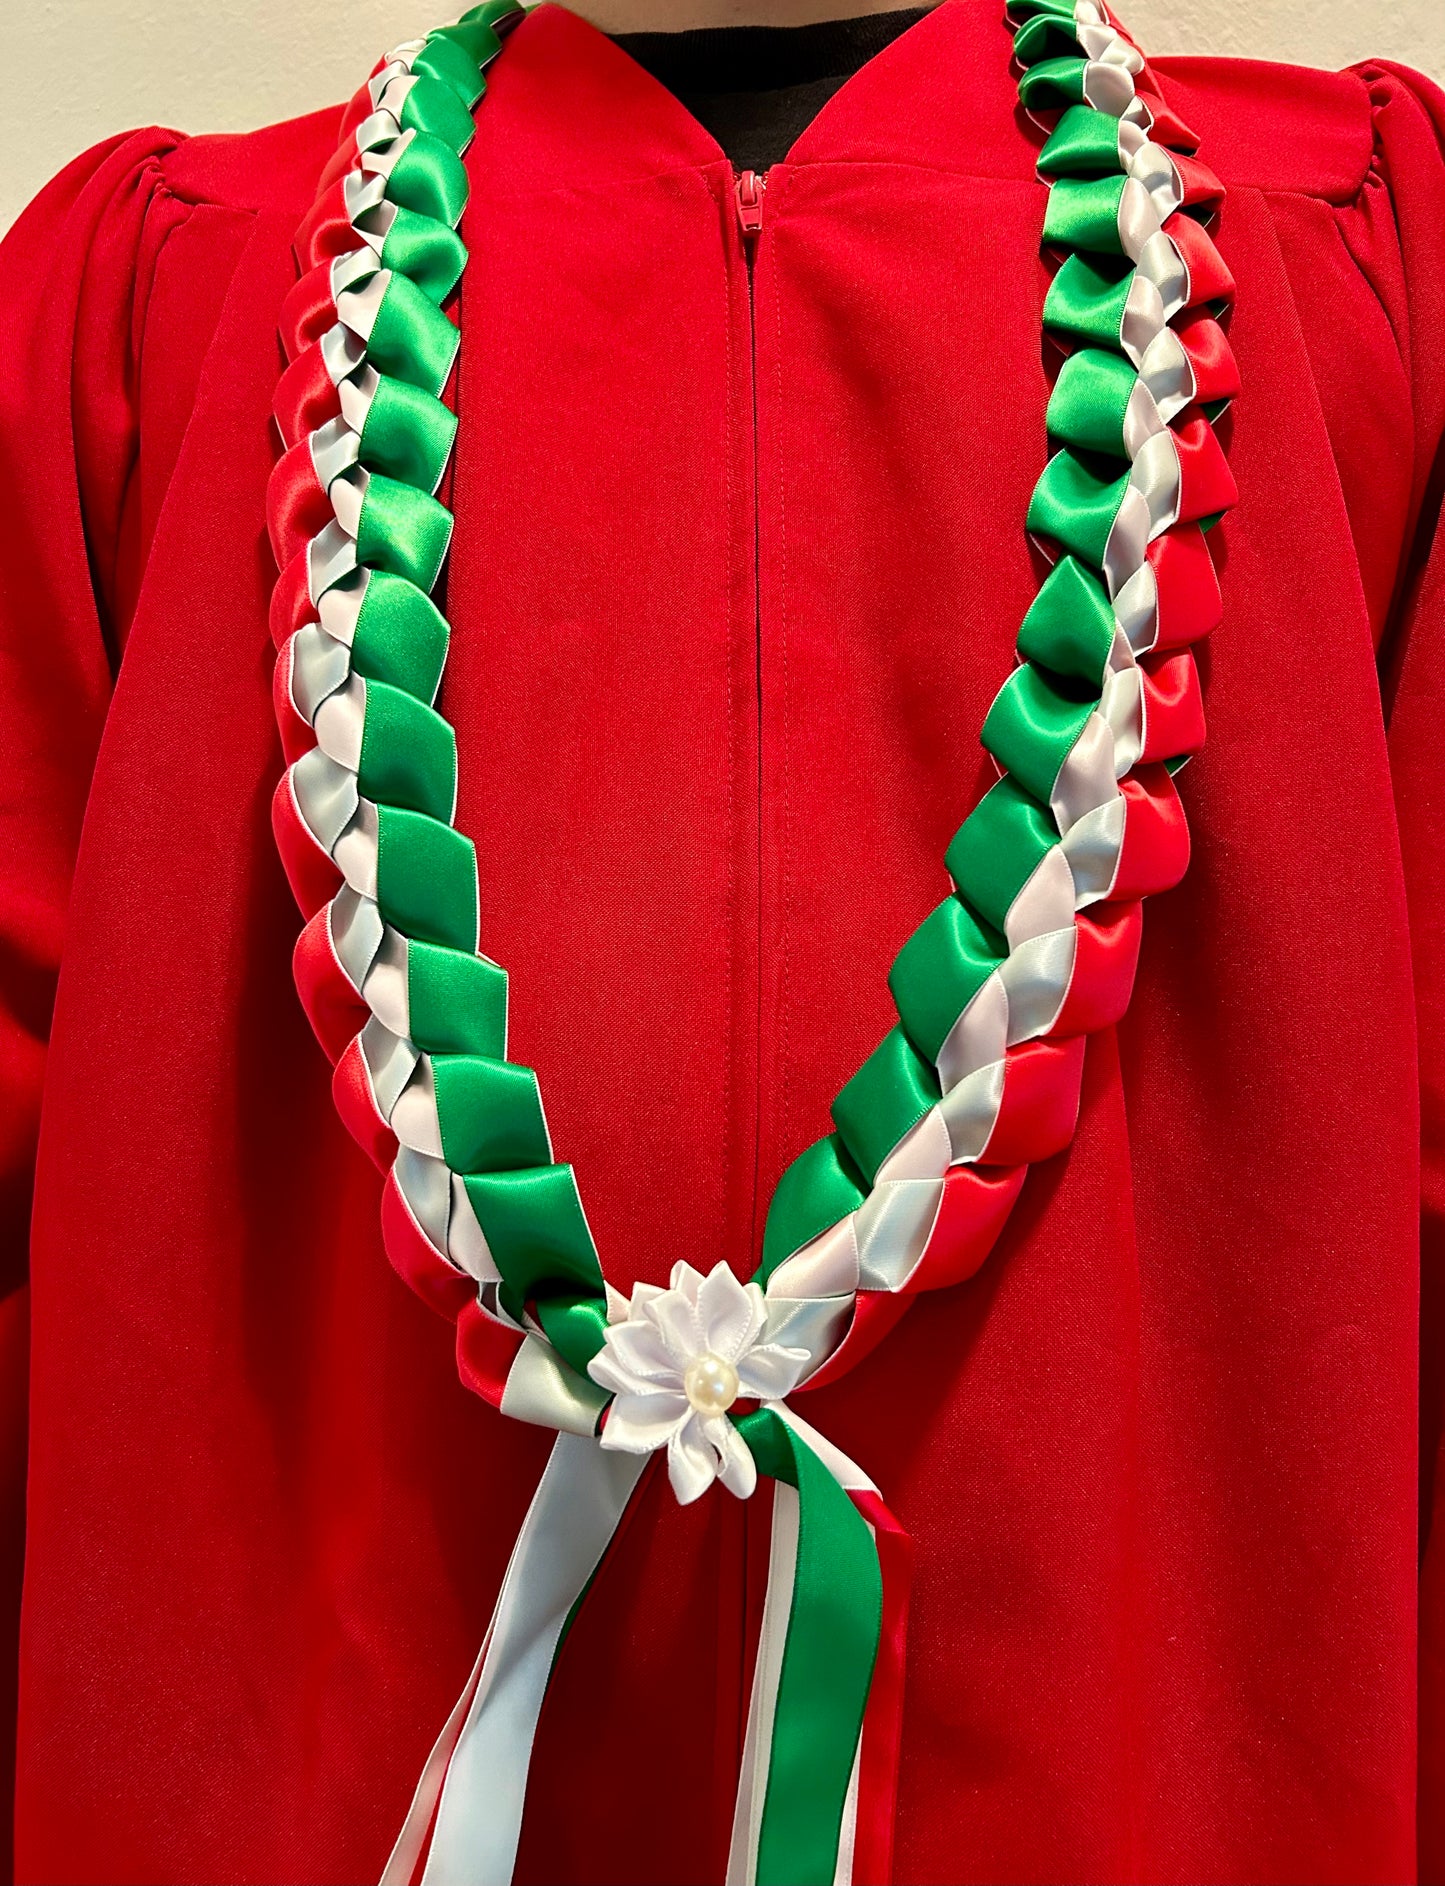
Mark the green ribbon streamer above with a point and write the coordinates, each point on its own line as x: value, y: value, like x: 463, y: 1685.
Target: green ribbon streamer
x: 827, y: 1668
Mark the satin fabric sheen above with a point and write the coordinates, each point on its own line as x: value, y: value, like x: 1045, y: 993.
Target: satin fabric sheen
x: 1159, y: 1459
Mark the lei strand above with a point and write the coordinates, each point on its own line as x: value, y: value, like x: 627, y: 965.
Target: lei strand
x: 996, y: 991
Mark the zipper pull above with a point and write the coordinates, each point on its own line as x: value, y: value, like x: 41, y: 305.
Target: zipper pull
x: 748, y: 190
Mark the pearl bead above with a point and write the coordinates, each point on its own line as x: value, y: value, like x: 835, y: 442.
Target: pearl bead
x: 711, y: 1384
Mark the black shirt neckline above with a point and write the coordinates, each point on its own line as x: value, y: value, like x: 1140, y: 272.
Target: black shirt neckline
x: 756, y: 89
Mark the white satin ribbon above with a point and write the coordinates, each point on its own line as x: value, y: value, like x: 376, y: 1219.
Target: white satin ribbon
x: 476, y: 1775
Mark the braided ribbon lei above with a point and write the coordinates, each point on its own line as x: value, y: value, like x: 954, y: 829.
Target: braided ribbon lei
x: 1034, y: 948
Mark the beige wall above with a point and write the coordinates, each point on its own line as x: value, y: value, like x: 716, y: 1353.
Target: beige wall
x: 80, y: 69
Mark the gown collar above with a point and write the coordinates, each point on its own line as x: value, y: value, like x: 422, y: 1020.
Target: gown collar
x: 568, y: 108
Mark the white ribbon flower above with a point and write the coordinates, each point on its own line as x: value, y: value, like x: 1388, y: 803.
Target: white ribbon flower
x: 676, y: 1365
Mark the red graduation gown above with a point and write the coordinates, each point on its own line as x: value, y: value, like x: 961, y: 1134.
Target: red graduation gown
x: 730, y: 597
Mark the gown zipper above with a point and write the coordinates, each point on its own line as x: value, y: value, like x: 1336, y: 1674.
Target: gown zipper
x: 749, y: 190
x: 748, y: 193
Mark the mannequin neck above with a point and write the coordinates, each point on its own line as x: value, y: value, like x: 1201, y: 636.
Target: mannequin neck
x: 675, y: 16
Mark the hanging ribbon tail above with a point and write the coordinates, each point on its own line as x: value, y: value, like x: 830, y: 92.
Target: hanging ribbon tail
x: 820, y: 1756
x: 473, y: 1788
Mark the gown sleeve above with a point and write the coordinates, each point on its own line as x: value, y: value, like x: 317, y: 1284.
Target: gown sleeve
x: 73, y: 276
x: 1410, y: 163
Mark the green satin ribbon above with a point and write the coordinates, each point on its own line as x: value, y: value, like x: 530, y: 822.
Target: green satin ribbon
x: 408, y: 753
x: 475, y: 37
x: 575, y: 1323
x: 539, y: 1239
x: 1076, y: 507
x: 1090, y: 401
x: 426, y: 251
x: 408, y: 434
x: 400, y: 636
x: 828, y: 1657
x: 1070, y: 626
x: 445, y: 56
x: 1083, y: 143
x: 1053, y: 84
x: 939, y: 971
x: 433, y: 108
x: 403, y: 530
x: 429, y: 178
x: 1083, y: 213
x: 1047, y: 35
x: 456, y: 1002
x: 998, y: 848
x: 820, y: 1187
x: 411, y: 339
x: 1031, y: 729
x: 426, y: 878
x: 490, y: 1113
x: 887, y: 1097
x: 1087, y: 299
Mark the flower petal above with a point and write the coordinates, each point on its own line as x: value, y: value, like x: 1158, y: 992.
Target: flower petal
x: 638, y: 1424
x: 738, y: 1471
x: 731, y: 1313
x: 639, y: 1348
x: 679, y: 1326
x: 691, y: 1464
x: 618, y: 1308
x: 770, y: 1371
x: 685, y: 1280
x: 607, y: 1372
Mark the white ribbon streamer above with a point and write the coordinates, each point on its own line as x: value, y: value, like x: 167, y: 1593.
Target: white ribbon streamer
x: 476, y: 1775
x: 767, y: 1669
